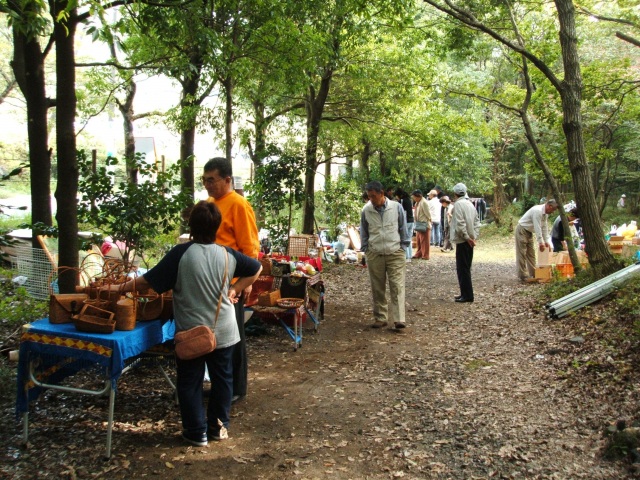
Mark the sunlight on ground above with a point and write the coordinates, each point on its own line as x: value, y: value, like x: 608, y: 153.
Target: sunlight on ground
x: 495, y: 249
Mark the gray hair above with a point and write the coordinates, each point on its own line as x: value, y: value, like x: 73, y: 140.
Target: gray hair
x: 374, y: 186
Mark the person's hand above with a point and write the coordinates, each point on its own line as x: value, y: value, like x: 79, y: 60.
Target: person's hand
x: 233, y: 295
x: 471, y: 242
x: 247, y: 291
x: 543, y: 246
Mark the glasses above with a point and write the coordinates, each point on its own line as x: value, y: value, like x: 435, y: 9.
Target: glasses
x: 210, y: 180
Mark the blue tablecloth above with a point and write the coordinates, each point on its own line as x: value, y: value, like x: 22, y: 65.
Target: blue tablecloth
x: 61, y: 350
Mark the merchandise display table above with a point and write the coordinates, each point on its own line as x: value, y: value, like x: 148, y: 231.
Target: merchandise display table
x: 49, y: 353
x: 309, y: 289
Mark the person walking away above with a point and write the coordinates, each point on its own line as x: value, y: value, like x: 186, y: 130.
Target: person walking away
x: 557, y: 231
x: 534, y: 221
x: 465, y: 229
x: 621, y: 201
x: 407, y: 206
x: 447, y: 208
x: 199, y: 273
x: 384, y: 238
x: 434, y: 209
x: 239, y: 231
x: 422, y: 225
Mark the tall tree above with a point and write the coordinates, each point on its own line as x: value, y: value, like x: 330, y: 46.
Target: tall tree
x: 29, y: 26
x: 569, y: 89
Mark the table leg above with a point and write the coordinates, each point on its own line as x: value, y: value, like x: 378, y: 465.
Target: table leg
x: 112, y: 401
x: 25, y: 427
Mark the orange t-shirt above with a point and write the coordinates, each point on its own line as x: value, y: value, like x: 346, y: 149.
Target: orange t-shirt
x: 238, y: 229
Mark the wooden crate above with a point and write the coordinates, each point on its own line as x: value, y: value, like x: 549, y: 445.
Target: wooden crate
x: 543, y: 273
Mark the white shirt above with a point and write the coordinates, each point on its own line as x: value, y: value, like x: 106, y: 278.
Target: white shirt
x: 535, y: 221
x: 434, y: 208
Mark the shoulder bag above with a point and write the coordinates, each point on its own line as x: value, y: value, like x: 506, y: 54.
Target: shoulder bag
x: 200, y: 340
x: 421, y: 227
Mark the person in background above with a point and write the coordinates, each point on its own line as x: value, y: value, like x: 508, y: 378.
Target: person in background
x: 534, y: 221
x: 384, y: 238
x: 195, y: 272
x: 447, y: 208
x: 558, y: 237
x: 389, y: 193
x: 621, y: 201
x: 421, y: 213
x: 239, y: 231
x: 465, y: 229
x: 434, y: 209
x: 407, y: 205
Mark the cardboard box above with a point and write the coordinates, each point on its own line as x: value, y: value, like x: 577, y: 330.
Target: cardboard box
x: 269, y: 299
x: 543, y: 274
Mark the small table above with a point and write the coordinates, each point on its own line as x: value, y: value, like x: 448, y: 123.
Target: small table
x: 49, y: 353
x: 312, y: 289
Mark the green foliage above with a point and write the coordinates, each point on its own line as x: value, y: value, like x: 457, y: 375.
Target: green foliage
x: 276, y: 189
x: 133, y: 213
x: 16, y: 306
x: 342, y: 204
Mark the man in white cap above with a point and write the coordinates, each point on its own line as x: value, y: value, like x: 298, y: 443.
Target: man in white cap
x: 534, y: 221
x: 621, y: 201
x: 464, y: 231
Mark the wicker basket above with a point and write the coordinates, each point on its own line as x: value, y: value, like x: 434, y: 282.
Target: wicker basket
x: 63, y: 306
x: 269, y: 299
x: 126, y: 314
x: 290, y: 302
x: 299, y: 245
x: 95, y: 320
x: 149, y: 306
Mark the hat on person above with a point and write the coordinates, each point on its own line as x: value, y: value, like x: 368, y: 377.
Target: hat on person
x: 417, y: 193
x: 445, y: 199
x: 623, y: 196
x: 433, y: 193
x: 460, y: 189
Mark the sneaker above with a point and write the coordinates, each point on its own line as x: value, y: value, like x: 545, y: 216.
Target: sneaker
x: 195, y: 439
x: 408, y: 260
x: 379, y: 324
x: 399, y: 325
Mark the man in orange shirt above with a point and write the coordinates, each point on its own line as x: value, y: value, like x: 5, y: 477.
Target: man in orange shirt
x: 239, y: 231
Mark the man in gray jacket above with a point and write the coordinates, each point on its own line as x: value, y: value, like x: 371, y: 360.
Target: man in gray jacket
x: 384, y: 236
x: 464, y: 231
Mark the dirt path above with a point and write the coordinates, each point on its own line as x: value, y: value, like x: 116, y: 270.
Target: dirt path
x: 467, y: 391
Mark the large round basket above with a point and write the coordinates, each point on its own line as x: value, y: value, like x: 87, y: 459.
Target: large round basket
x: 290, y: 302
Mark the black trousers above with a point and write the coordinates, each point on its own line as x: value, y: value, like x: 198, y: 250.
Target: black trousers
x: 240, y: 365
x: 464, y: 258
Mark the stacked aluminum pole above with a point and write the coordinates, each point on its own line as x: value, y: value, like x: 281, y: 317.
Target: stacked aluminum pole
x: 591, y: 293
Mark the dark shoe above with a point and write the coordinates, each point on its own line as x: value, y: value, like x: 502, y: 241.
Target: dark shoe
x: 195, y: 439
x: 464, y: 300
x: 457, y: 297
x: 399, y: 325
x: 237, y: 398
x: 378, y: 324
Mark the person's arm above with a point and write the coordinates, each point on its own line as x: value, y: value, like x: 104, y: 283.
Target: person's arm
x: 461, y: 223
x: 402, y: 227
x: 137, y: 283
x: 364, y: 232
x: 242, y: 284
x: 246, y: 230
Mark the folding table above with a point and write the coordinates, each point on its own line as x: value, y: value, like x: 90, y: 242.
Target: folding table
x: 49, y: 353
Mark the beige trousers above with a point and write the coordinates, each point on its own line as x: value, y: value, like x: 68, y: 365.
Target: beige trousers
x: 525, y: 253
x: 392, y: 268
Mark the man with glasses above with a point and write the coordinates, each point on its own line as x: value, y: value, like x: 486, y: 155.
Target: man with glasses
x: 239, y: 231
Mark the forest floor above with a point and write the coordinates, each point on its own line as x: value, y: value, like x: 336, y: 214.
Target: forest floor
x: 492, y: 389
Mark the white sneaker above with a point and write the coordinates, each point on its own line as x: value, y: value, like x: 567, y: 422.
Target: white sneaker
x: 408, y: 260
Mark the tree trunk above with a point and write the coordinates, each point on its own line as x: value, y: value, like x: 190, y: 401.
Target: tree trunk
x: 28, y: 68
x: 600, y: 257
x: 67, y: 187
x: 366, y: 155
x: 349, y: 167
x: 228, y: 118
x: 126, y: 109
x: 315, y: 109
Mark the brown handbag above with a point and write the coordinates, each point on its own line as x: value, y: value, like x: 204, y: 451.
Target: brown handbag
x: 200, y: 340
x: 63, y: 305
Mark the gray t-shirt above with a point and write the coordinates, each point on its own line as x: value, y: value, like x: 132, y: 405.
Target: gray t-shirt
x: 195, y: 272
